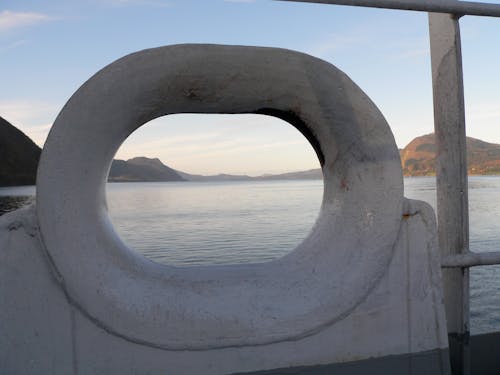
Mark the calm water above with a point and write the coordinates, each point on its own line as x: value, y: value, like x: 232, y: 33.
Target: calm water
x: 484, y: 221
x: 15, y: 197
x: 185, y: 223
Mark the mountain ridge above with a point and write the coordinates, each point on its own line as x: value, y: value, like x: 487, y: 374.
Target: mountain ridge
x: 19, y: 156
x: 142, y: 169
x: 418, y: 158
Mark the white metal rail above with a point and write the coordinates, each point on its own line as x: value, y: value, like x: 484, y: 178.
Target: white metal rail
x: 459, y: 8
x: 470, y: 259
x: 451, y: 165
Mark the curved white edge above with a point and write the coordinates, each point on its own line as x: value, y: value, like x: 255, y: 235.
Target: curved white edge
x: 200, y: 308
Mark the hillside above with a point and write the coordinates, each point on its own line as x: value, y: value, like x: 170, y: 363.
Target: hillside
x: 19, y: 156
x: 215, y: 177
x: 142, y: 169
x: 311, y: 174
x: 419, y: 156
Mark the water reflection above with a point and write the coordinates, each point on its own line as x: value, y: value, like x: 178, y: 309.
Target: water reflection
x: 12, y: 198
x: 251, y: 217
x: 9, y: 203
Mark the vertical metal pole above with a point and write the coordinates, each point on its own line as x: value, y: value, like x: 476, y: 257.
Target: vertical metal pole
x: 451, y: 179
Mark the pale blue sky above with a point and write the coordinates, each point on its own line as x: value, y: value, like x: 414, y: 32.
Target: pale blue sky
x: 49, y: 48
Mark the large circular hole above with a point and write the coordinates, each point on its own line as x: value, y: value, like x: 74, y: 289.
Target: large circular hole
x: 214, y: 189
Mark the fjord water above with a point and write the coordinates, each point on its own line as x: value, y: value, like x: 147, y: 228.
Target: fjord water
x: 189, y: 223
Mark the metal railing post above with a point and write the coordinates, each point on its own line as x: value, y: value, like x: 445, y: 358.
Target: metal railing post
x: 451, y: 179
x: 436, y: 6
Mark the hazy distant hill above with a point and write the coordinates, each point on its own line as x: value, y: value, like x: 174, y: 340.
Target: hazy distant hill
x: 142, y: 169
x: 419, y: 156
x: 215, y: 177
x: 311, y: 174
x: 19, y: 156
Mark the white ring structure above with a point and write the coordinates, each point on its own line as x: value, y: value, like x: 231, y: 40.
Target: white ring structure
x: 208, y: 307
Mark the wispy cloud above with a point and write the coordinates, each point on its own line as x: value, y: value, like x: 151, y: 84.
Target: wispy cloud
x: 172, y: 144
x: 484, y: 111
x: 409, y: 49
x: 151, y: 3
x: 237, y: 157
x: 38, y: 134
x: 11, y: 20
x: 240, y: 1
x: 12, y: 45
x: 482, y: 117
x: 237, y: 147
x: 362, y: 38
x: 335, y: 43
x: 413, y: 53
x: 210, y: 144
x: 34, y: 118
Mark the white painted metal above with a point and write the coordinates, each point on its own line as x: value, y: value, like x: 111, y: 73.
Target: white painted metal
x: 459, y: 8
x: 452, y: 199
x: 364, y: 285
x: 470, y: 259
x: 356, y: 228
x: 451, y: 172
x: 44, y: 332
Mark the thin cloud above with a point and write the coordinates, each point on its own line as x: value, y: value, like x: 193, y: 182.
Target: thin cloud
x: 151, y: 3
x: 484, y: 112
x: 335, y: 43
x: 12, y: 20
x: 235, y: 148
x: 410, y: 49
x: 27, y: 112
x: 133, y: 147
x: 34, y: 118
x: 251, y: 159
x: 38, y: 134
x: 12, y: 45
x: 413, y: 53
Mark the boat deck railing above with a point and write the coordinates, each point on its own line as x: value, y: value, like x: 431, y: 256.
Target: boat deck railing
x: 451, y: 161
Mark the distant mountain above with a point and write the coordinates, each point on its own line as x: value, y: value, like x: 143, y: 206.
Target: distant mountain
x: 215, y: 177
x: 311, y: 174
x: 19, y: 159
x: 418, y: 158
x: 19, y: 156
x: 142, y: 169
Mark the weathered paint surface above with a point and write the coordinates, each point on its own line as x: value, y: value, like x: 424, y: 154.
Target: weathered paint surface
x: 364, y: 284
x: 451, y: 174
x: 44, y: 332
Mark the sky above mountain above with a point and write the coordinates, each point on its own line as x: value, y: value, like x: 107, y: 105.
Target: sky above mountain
x: 49, y: 48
